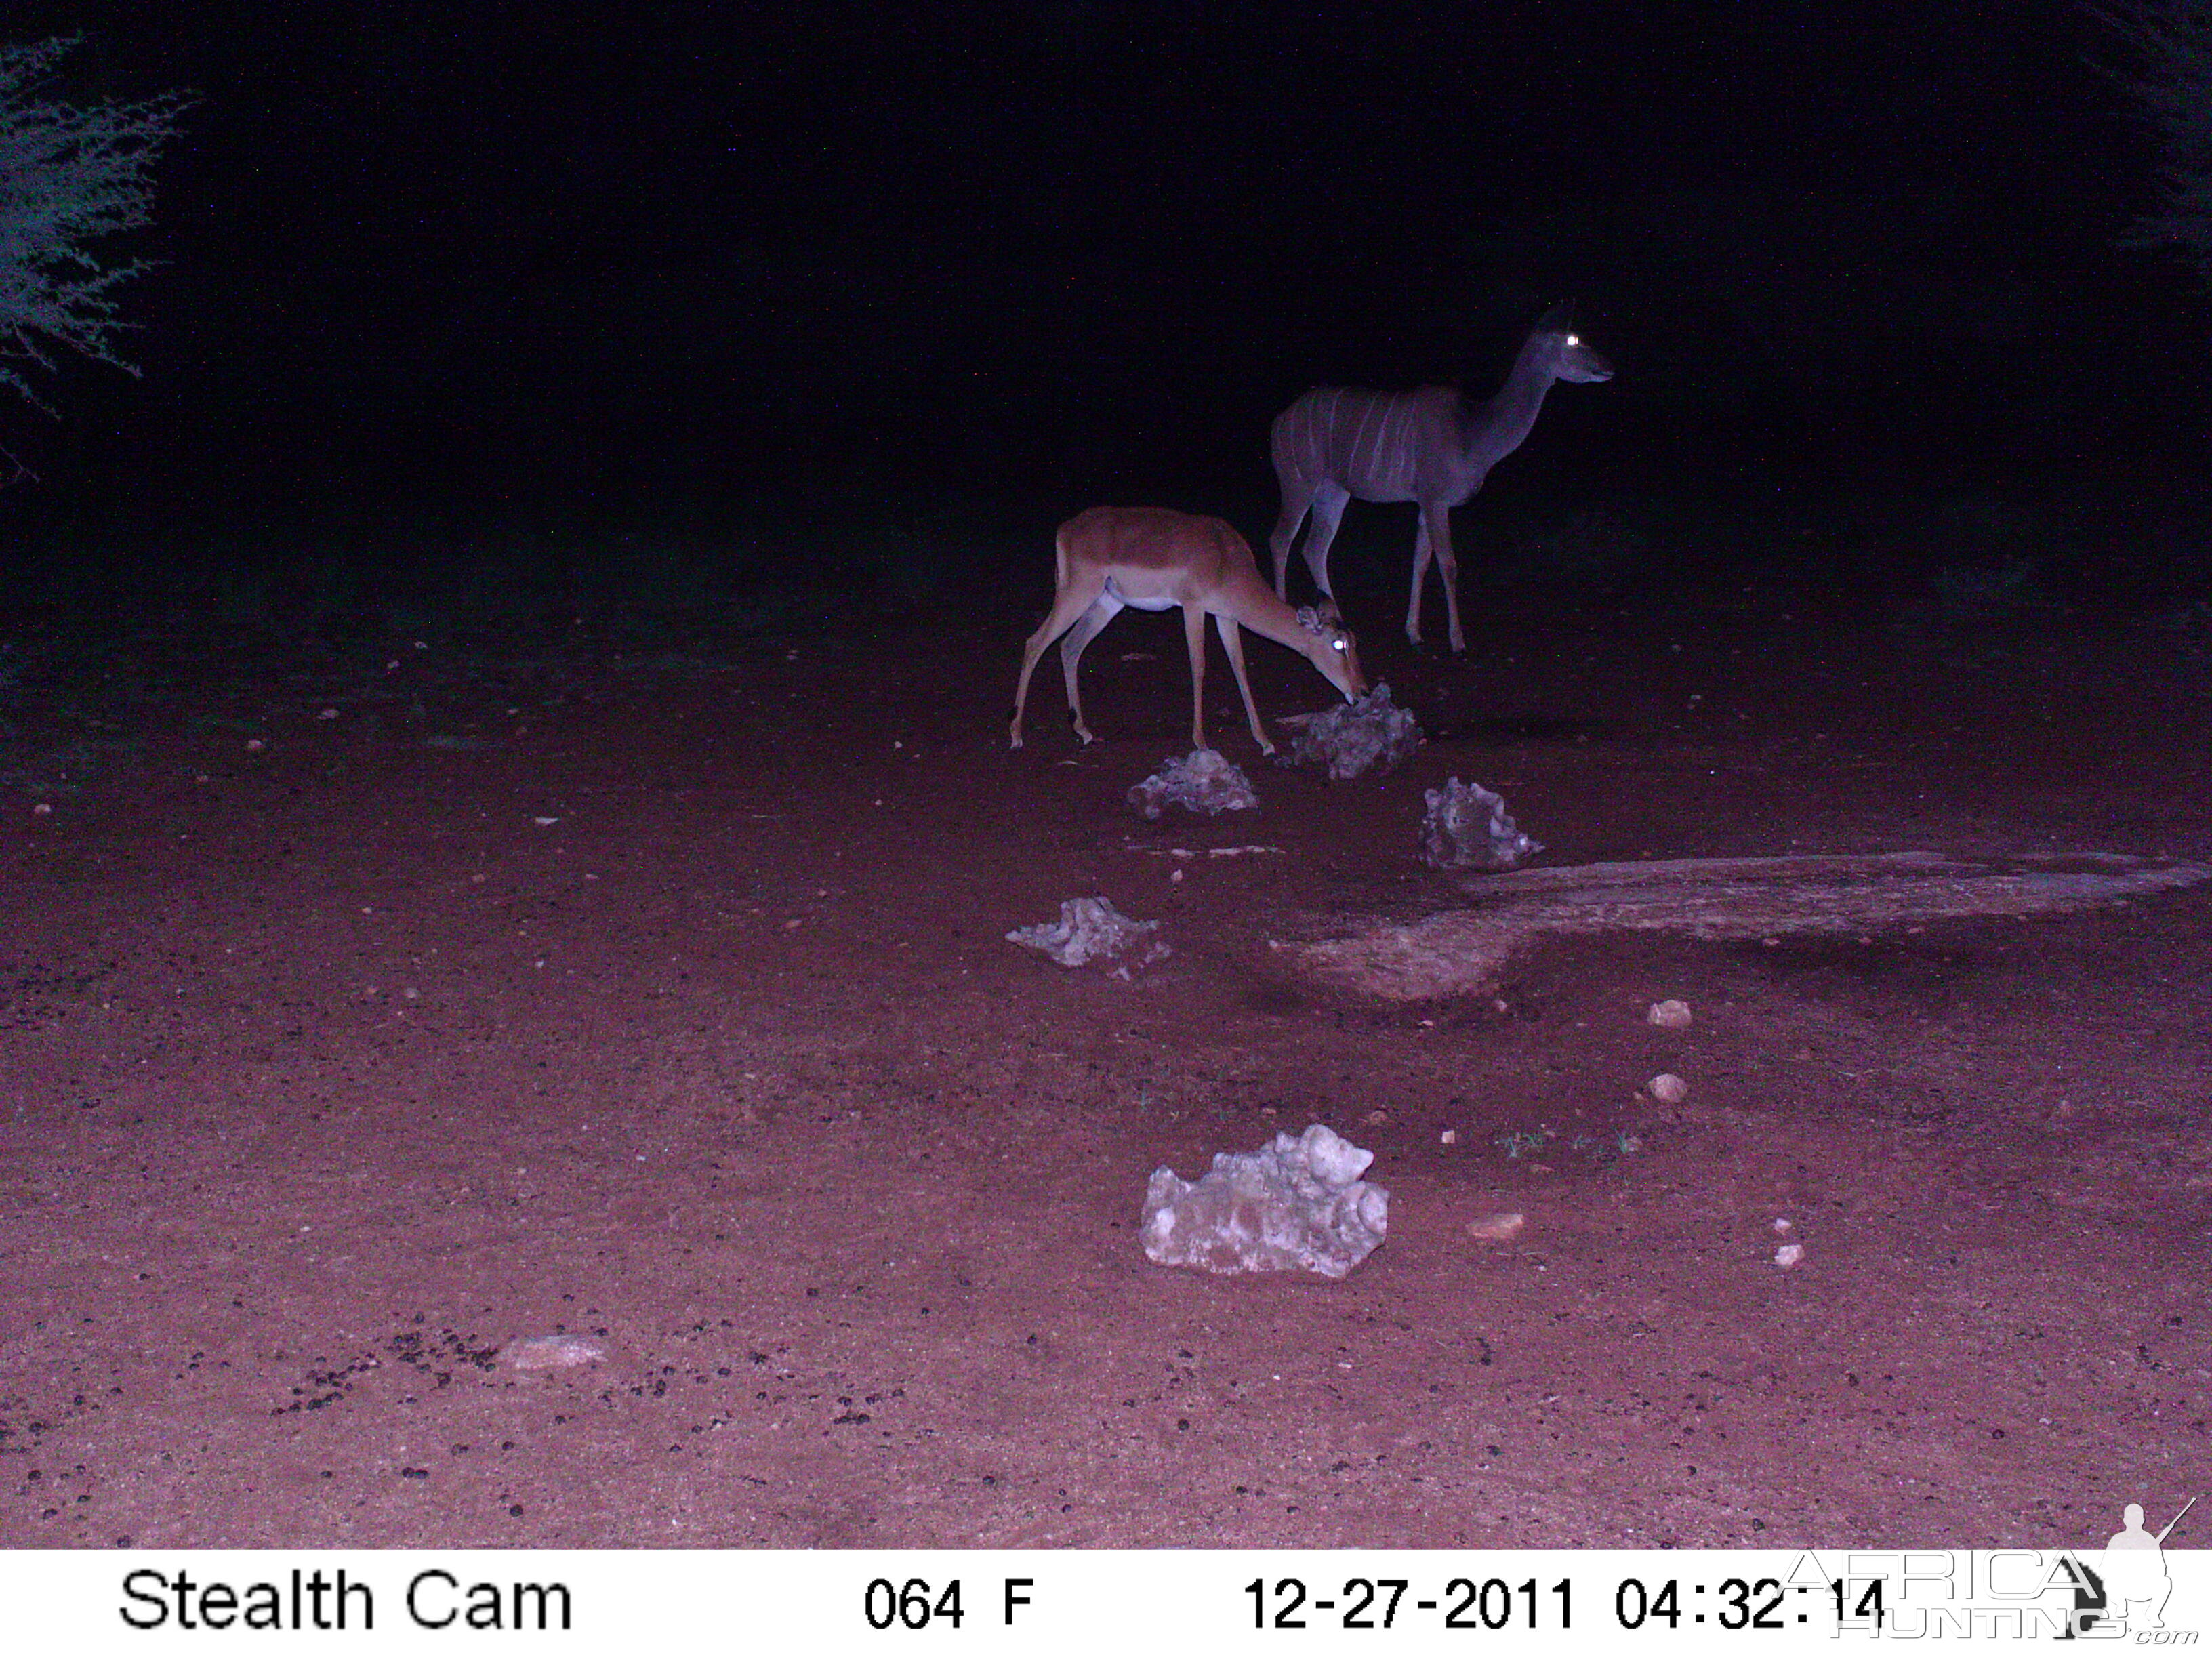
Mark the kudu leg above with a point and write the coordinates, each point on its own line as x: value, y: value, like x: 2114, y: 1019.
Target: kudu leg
x: 1286, y: 531
x: 1421, y: 550
x: 1328, y: 504
x: 1435, y: 535
x: 1448, y: 570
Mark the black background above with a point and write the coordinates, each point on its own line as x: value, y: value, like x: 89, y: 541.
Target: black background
x: 482, y: 260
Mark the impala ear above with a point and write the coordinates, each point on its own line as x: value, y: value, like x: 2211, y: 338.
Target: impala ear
x: 1560, y: 319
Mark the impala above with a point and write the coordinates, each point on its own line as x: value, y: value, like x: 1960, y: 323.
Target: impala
x: 1152, y: 558
x: 1432, y: 447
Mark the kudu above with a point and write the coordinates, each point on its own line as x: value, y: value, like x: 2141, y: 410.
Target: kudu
x: 1432, y: 447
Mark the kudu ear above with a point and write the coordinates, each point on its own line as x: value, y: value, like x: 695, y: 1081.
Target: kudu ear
x: 1560, y: 319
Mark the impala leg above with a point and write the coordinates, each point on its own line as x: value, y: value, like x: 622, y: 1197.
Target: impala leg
x: 1194, y: 634
x: 1072, y: 644
x: 1232, y: 641
x: 1068, y: 604
x: 1447, y: 568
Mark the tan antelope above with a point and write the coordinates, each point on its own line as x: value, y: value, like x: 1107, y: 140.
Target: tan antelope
x: 1153, y: 557
x: 1432, y: 446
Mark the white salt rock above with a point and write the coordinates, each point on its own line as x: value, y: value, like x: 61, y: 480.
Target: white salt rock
x: 1089, y: 930
x: 1353, y: 737
x: 1204, y: 781
x: 1468, y: 827
x: 1674, y: 1015
x: 1297, y: 1203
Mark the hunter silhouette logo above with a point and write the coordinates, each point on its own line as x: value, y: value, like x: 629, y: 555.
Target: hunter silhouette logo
x: 2136, y: 1584
x: 2127, y: 1590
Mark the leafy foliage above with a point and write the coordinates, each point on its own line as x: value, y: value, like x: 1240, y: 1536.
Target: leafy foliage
x: 69, y: 175
x: 2173, y: 43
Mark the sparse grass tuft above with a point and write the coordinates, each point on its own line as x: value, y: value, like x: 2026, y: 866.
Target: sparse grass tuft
x: 1514, y: 1143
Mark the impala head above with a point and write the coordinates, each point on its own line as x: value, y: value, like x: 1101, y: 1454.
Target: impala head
x: 1334, y: 650
x: 1570, y: 359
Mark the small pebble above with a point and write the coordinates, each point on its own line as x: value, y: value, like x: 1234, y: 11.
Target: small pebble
x: 1497, y: 1228
x: 1667, y: 1089
x: 1789, y: 1255
x: 1672, y: 1014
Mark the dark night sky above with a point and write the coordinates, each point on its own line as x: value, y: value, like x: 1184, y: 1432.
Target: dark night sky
x: 506, y: 249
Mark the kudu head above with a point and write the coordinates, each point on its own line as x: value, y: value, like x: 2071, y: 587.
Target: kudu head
x: 1334, y: 650
x: 1568, y: 358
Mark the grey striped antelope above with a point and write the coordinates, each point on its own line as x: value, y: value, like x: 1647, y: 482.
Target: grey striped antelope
x: 1430, y: 446
x: 1153, y: 558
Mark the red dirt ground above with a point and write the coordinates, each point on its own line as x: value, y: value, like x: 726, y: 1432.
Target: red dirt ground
x: 329, y: 1070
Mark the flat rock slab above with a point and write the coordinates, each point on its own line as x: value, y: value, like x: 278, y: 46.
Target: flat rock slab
x: 1461, y: 952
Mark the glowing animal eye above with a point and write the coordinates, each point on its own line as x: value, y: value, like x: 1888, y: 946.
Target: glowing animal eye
x: 1574, y: 339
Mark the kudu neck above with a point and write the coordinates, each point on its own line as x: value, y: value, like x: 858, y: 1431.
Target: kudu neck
x: 1496, y: 428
